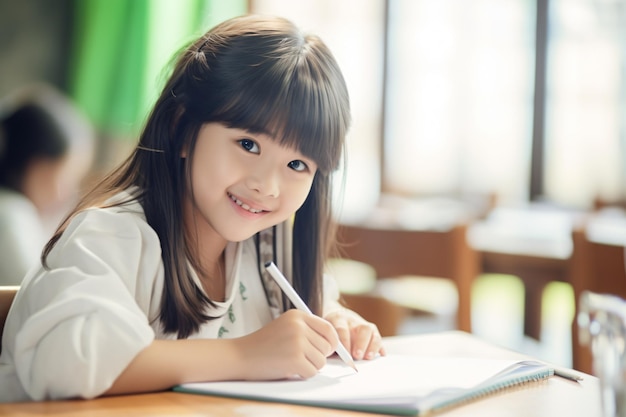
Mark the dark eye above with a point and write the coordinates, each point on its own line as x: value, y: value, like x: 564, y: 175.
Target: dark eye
x: 297, y: 165
x: 249, y: 145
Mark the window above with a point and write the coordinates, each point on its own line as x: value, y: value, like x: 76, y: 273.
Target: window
x: 584, y: 145
x: 459, y: 97
x: 446, y: 94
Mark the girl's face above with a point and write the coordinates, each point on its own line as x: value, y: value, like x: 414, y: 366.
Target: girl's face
x: 243, y: 183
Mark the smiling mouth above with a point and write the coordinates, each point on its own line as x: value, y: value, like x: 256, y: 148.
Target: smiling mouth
x: 244, y: 205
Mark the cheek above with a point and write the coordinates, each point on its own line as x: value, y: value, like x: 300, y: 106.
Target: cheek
x: 299, y: 193
x: 209, y: 174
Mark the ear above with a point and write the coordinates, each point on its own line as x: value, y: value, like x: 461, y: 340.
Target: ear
x: 184, y: 152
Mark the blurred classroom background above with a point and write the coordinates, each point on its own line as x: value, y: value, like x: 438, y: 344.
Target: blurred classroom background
x: 504, y: 116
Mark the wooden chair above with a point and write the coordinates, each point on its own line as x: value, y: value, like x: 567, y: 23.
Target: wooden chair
x: 597, y: 267
x: 357, y: 286
x: 427, y: 253
x: 387, y: 315
x: 7, y: 294
x: 600, y: 203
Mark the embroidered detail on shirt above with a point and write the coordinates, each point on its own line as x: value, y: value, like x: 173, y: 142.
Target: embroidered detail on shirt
x: 242, y: 290
x: 221, y: 332
x: 231, y: 315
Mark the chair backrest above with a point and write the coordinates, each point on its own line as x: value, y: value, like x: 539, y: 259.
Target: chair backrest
x: 597, y: 267
x: 387, y: 315
x: 7, y: 294
x: 434, y: 253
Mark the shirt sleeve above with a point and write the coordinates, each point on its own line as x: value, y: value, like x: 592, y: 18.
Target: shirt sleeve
x: 331, y: 295
x: 78, y: 325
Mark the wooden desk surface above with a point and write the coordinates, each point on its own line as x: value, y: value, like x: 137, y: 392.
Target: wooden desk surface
x: 550, y: 398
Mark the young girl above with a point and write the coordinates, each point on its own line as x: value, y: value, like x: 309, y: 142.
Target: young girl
x: 156, y: 278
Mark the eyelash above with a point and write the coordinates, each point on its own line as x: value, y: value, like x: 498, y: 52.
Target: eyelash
x: 249, y: 144
x: 304, y: 165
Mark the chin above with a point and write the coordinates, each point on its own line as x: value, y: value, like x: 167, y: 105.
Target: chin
x: 238, y: 236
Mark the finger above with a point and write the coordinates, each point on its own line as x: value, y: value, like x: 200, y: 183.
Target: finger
x: 341, y: 325
x: 315, y: 358
x: 375, y: 346
x: 327, y: 338
x: 311, y: 346
x: 314, y: 361
x: 362, y: 336
x: 316, y: 347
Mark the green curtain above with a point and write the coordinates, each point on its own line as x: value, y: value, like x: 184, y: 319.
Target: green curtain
x: 122, y: 48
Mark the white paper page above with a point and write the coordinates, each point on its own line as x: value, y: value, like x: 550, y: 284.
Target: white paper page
x: 385, y: 377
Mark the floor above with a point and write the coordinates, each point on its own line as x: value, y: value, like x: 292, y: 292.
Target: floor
x: 497, y: 316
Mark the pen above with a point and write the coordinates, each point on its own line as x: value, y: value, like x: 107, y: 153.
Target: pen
x: 300, y: 305
x: 567, y: 375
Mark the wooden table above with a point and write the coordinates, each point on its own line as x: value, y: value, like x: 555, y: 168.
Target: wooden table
x: 533, y: 244
x: 553, y: 397
x: 535, y: 272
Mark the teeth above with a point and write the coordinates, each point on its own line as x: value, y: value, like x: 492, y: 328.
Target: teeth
x: 244, y: 205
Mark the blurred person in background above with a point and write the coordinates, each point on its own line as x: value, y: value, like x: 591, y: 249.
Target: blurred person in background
x: 46, y: 150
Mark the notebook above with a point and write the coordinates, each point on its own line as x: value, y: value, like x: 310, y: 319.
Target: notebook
x: 395, y: 384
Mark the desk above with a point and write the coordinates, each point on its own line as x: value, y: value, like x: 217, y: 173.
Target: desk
x: 535, y: 272
x: 418, y: 238
x: 553, y: 397
x: 534, y: 244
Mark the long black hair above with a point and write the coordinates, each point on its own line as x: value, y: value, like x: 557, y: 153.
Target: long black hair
x: 255, y: 73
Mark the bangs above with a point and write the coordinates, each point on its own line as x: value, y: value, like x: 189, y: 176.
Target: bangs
x: 299, y: 101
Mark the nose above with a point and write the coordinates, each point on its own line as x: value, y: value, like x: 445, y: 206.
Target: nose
x: 265, y: 181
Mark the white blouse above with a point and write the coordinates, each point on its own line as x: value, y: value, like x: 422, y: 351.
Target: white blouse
x: 22, y: 236
x: 74, y: 328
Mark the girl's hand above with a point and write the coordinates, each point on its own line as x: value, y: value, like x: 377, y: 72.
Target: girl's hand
x: 360, y: 337
x: 295, y: 344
